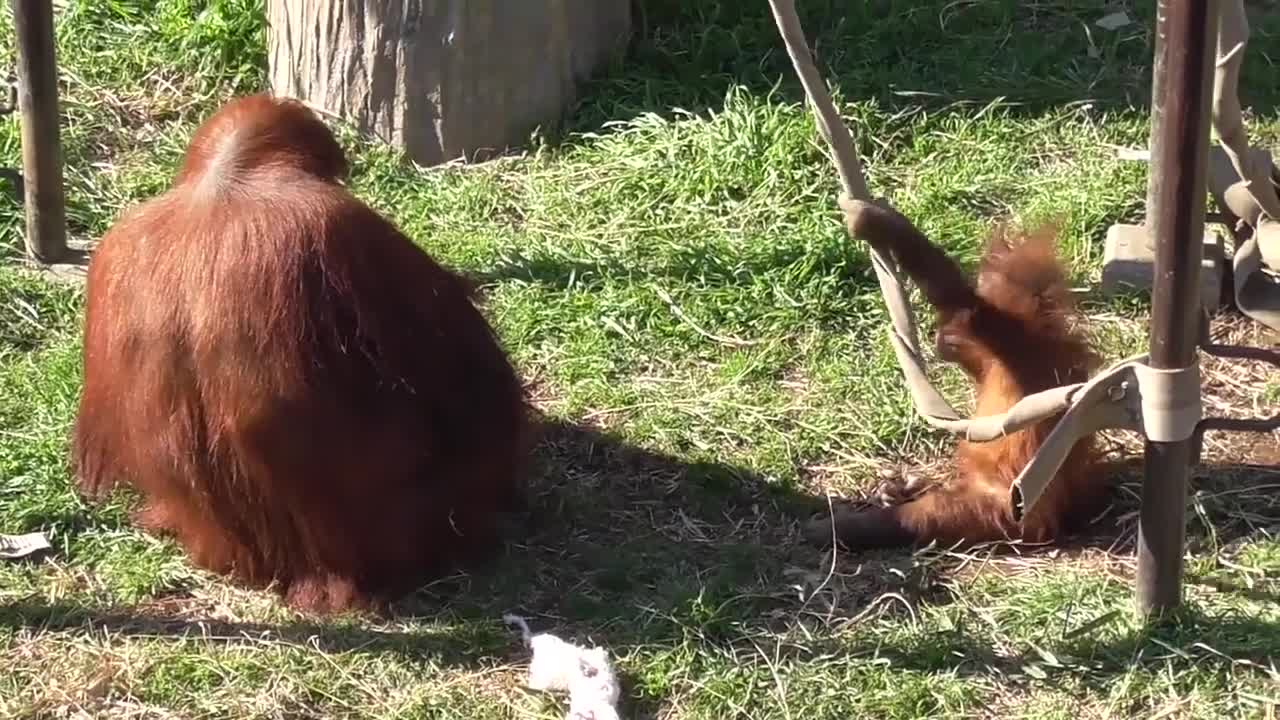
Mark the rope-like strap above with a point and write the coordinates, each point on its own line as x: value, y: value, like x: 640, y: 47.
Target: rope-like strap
x: 929, y: 403
x: 1165, y: 405
x: 833, y: 129
x: 1253, y: 197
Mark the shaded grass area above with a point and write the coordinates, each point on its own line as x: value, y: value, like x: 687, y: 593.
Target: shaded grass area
x: 669, y: 275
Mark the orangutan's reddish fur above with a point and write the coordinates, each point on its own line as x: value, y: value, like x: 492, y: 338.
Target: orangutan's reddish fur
x: 300, y: 394
x: 1014, y: 334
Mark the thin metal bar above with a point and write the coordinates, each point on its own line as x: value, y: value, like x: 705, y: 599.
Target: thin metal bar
x: 1242, y: 352
x: 1253, y: 425
x: 1187, y: 31
x: 1154, y: 161
x: 41, y: 143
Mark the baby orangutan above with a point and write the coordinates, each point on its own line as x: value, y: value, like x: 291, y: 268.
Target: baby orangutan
x: 299, y: 393
x: 1014, y: 334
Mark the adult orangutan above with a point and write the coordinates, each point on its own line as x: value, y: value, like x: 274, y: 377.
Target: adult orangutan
x: 301, y: 395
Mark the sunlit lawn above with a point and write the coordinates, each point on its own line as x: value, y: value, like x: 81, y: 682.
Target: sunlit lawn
x: 671, y: 278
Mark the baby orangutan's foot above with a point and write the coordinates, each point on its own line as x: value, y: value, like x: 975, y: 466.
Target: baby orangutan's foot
x: 857, y: 528
x: 897, y: 487
x: 867, y: 526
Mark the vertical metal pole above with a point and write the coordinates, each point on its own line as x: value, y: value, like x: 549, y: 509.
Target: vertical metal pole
x: 41, y: 143
x: 1187, y: 30
x: 1154, y: 168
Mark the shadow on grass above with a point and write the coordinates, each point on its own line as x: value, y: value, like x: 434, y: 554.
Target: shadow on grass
x: 626, y: 545
x: 636, y: 545
x: 619, y: 540
x: 1229, y: 503
x: 638, y: 549
x: 161, y: 619
x: 902, y: 56
x: 1187, y: 637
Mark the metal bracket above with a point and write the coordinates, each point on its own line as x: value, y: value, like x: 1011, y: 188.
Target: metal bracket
x: 1109, y: 400
x: 10, y: 104
x: 9, y: 107
x: 1226, y: 424
x: 1163, y: 405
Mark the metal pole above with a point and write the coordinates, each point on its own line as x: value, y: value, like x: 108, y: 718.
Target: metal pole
x: 1154, y: 171
x: 41, y: 144
x: 1187, y: 30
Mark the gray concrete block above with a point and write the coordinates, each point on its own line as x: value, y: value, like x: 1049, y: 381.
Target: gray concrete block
x: 1128, y: 264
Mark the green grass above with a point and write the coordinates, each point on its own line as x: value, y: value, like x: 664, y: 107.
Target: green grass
x: 669, y: 274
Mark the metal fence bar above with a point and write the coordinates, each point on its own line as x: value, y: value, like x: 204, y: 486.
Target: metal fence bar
x: 1187, y: 31
x: 41, y: 142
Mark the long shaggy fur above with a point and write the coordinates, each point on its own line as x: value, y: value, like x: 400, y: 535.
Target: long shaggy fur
x: 301, y: 395
x: 1014, y: 333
